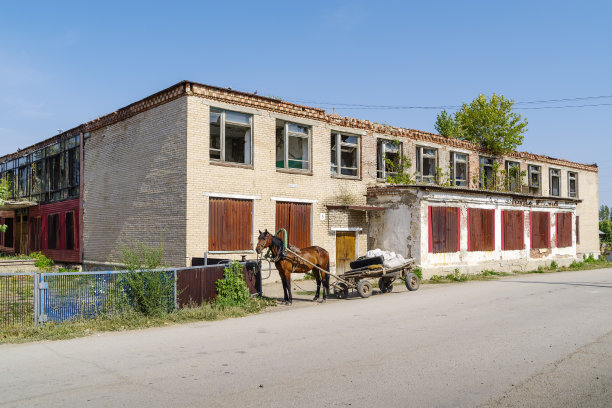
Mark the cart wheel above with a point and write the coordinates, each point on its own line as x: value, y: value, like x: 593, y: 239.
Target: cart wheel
x: 364, y: 288
x: 341, y: 290
x: 412, y: 281
x: 385, y: 285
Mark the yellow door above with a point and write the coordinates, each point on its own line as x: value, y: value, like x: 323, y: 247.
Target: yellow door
x: 345, y: 250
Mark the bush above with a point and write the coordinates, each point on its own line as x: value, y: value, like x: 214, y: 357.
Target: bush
x: 554, y: 265
x: 232, y: 290
x: 42, y: 262
x: 148, y: 290
x: 418, y: 272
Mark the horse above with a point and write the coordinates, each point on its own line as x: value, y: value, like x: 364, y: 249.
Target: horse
x: 288, y: 263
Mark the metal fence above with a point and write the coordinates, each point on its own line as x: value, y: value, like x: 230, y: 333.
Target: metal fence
x: 17, y: 300
x: 35, y: 298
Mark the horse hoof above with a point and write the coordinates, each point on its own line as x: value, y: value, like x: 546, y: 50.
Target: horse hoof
x: 315, y: 299
x: 324, y: 300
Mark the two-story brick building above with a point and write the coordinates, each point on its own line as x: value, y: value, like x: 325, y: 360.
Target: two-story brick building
x: 199, y: 169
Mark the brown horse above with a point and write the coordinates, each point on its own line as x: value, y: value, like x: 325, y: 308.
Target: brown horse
x: 287, y: 263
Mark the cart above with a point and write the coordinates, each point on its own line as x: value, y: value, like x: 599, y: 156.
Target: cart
x: 359, y: 279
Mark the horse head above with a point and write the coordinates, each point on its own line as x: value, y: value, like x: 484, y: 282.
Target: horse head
x: 263, y: 241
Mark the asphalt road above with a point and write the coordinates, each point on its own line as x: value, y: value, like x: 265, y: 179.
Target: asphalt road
x: 533, y: 341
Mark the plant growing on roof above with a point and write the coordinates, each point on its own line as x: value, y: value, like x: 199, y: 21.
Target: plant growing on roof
x: 488, y: 122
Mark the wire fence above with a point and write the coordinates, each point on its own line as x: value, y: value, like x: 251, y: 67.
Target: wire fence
x: 28, y: 299
x: 17, y: 302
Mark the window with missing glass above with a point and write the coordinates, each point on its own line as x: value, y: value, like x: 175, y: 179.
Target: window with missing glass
x: 555, y: 182
x: 426, y: 163
x: 487, y: 174
x: 230, y: 136
x: 534, y: 179
x: 572, y: 184
x: 344, y: 155
x: 292, y: 146
x: 513, y: 176
x: 388, y: 157
x: 459, y: 169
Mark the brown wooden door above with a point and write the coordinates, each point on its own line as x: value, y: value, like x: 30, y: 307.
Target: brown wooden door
x: 345, y: 250
x: 295, y: 219
x: 21, y: 233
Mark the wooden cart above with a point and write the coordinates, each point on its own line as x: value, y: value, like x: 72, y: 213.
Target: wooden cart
x: 359, y: 279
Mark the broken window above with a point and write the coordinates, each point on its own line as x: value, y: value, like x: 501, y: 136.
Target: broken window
x: 534, y: 179
x: 35, y: 236
x: 487, y: 174
x: 426, y: 159
x: 481, y: 229
x: 459, y: 169
x: 347, y: 155
x: 292, y: 146
x: 513, y: 176
x: 540, y: 229
x: 388, y: 157
x: 563, y: 223
x: 513, y: 230
x: 7, y: 240
x: 230, y: 224
x: 555, y: 182
x: 230, y: 136
x: 443, y: 229
x: 70, y: 231
x: 53, y: 231
x: 572, y: 184
x: 577, y: 229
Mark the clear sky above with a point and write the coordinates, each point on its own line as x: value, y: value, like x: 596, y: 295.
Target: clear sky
x: 63, y: 63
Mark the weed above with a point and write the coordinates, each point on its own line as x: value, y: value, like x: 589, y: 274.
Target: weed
x: 554, y: 265
x: 42, y: 262
x: 418, y: 272
x: 232, y: 290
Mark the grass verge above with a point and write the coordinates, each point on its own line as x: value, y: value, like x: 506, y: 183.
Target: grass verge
x: 130, y: 320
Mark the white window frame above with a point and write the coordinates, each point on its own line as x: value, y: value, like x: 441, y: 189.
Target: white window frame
x: 454, y: 168
x: 533, y: 168
x: 550, y: 183
x: 339, y: 144
x: 572, y: 175
x: 419, y: 159
x: 248, y: 141
x: 286, y: 134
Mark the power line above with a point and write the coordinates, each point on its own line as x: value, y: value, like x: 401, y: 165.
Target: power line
x: 400, y: 107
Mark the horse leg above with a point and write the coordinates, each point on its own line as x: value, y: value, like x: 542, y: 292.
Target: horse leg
x: 284, y: 281
x: 317, y: 276
x: 326, y: 283
x: 288, y: 279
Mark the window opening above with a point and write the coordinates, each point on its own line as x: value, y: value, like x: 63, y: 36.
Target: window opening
x: 459, y: 169
x: 388, y: 157
x: 347, y: 155
x: 230, y: 136
x: 572, y: 184
x: 534, y: 179
x: 292, y: 146
x: 426, y: 164
x: 555, y: 182
x: 487, y: 175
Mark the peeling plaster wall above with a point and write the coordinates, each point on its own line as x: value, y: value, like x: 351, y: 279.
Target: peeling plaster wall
x: 403, y: 228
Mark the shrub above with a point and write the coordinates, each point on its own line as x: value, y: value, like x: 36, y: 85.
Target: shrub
x: 148, y: 290
x: 232, y: 290
x: 435, y: 278
x: 554, y: 265
x: 418, y: 272
x: 42, y: 262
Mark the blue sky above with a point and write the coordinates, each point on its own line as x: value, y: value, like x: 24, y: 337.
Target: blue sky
x: 64, y: 63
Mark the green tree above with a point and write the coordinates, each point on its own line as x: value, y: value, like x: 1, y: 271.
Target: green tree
x: 604, y: 213
x: 446, y: 125
x: 488, y: 122
x: 5, y: 186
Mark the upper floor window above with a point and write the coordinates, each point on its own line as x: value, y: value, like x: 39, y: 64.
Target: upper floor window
x: 572, y: 184
x: 534, y: 179
x: 487, y: 175
x: 292, y: 146
x: 426, y: 163
x: 388, y: 157
x: 459, y: 169
x: 344, y: 155
x: 230, y: 136
x: 555, y: 182
x: 513, y: 178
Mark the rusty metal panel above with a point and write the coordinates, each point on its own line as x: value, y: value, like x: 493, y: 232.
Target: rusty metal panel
x: 230, y: 224
x: 540, y: 229
x: 445, y: 229
x: 481, y: 229
x: 295, y: 218
x: 564, y: 229
x: 198, y: 285
x: 514, y: 230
